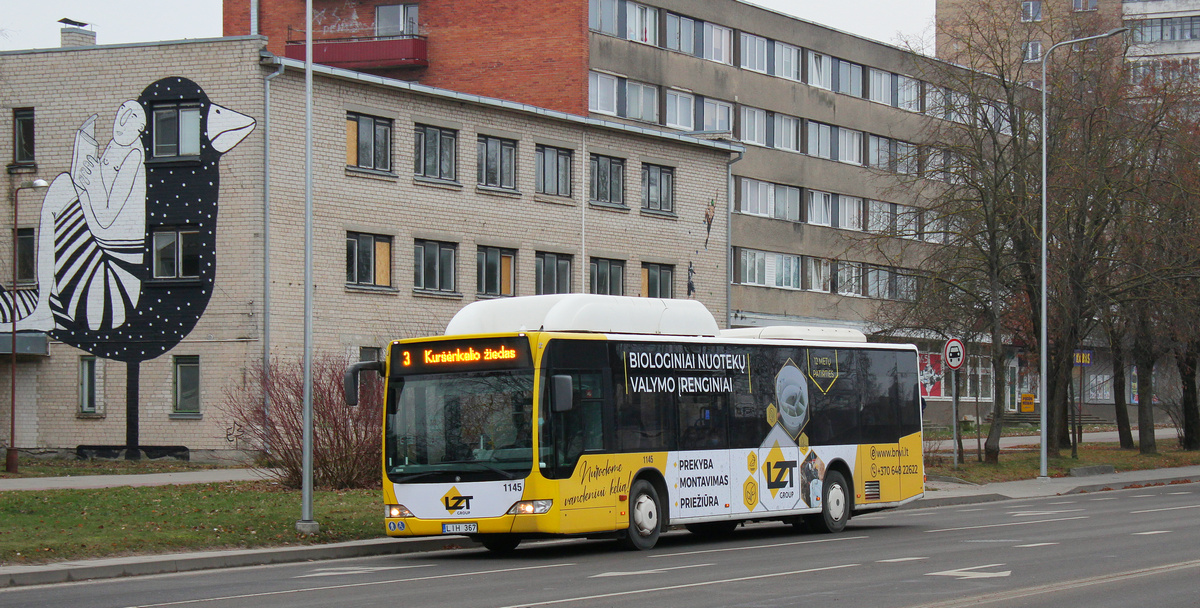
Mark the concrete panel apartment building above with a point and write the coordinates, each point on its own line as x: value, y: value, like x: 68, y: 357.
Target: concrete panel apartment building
x: 142, y: 270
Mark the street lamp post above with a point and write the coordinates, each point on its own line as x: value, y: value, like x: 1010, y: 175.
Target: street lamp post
x: 10, y: 457
x: 1043, y: 343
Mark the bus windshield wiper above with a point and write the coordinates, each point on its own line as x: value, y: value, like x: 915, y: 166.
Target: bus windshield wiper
x: 506, y: 474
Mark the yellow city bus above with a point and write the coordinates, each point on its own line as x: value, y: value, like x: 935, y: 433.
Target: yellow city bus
x: 604, y: 416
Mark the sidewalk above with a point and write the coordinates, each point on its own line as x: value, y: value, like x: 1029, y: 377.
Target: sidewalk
x: 1033, y: 441
x: 937, y: 493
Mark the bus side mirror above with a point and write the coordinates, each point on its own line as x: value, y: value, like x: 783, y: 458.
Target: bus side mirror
x: 562, y: 393
x: 350, y: 385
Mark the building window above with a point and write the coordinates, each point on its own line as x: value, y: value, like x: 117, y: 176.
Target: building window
x: 87, y: 385
x: 879, y: 152
x: 657, y: 281
x: 850, y: 148
x: 641, y: 101
x: 849, y: 212
x: 718, y: 43
x: 753, y: 267
x: 396, y: 20
x: 553, y: 174
x: 879, y: 87
x: 906, y: 158
x: 820, y: 208
x: 26, y: 253
x: 718, y: 115
x: 607, y: 277
x: 787, y: 271
x: 681, y: 34
x: 658, y: 188
x: 754, y: 53
x: 680, y: 110
x: 787, y: 132
x: 787, y: 61
x: 497, y: 162
x: 368, y: 259
x: 816, y: 274
x: 23, y: 150
x: 820, y: 70
x: 1031, y: 52
x: 820, y: 138
x: 642, y: 23
x: 608, y: 180
x: 850, y: 78
x: 908, y: 222
x: 770, y: 200
x: 495, y: 274
x: 881, y: 217
x: 368, y: 142
x: 187, y: 384
x: 878, y: 281
x: 906, y: 286
x: 433, y: 266
x: 909, y: 92
x: 849, y: 278
x: 1031, y: 10
x: 176, y: 254
x: 436, y: 153
x: 602, y: 93
x: 175, y: 130
x: 754, y: 126
x: 1084, y: 5
x: 552, y: 273
x: 786, y: 203
x: 602, y: 16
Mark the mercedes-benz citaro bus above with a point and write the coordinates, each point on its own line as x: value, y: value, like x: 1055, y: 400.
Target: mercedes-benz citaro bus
x: 605, y: 416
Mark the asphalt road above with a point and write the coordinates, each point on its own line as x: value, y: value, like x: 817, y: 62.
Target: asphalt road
x: 1122, y: 548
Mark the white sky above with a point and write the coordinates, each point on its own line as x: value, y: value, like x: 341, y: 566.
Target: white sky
x: 26, y: 24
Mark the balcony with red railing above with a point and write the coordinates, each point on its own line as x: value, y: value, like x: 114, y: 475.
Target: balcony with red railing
x: 362, y: 52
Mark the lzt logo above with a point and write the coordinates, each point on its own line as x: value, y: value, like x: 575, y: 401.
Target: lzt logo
x: 779, y: 474
x: 457, y: 503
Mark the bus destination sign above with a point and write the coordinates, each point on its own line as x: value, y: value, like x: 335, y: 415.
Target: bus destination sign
x: 461, y: 355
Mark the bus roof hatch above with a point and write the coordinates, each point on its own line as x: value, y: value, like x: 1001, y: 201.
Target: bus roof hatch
x: 585, y: 313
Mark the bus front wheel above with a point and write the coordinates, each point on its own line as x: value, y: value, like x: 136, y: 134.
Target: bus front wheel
x: 835, y: 508
x: 500, y: 543
x: 645, y: 523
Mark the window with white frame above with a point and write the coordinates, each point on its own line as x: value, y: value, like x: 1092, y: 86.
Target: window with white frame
x: 935, y: 101
x: 908, y: 222
x: 718, y: 43
x: 820, y: 140
x: 787, y: 132
x: 1084, y: 5
x: 905, y: 286
x: 754, y: 126
x: 497, y: 162
x: 933, y: 230
x: 602, y: 93
x: 881, y: 218
x: 879, y: 152
x: 495, y: 272
x: 396, y: 20
x: 849, y: 278
x: 368, y: 141
x: 641, y: 23
x: 753, y: 267
x: 906, y: 158
x: 788, y: 271
x: 958, y: 107
x: 602, y: 16
x: 718, y: 115
x: 787, y: 203
x: 641, y: 101
x: 849, y: 212
x: 681, y: 113
x: 820, y: 208
x: 606, y: 277
x: 658, y: 280
x: 433, y: 265
x: 850, y: 147
x: 658, y: 188
x: 757, y: 197
x: 788, y: 61
x: 1031, y: 51
x: 1031, y: 10
x: 816, y: 274
x: 681, y: 34
x: 878, y: 282
x: 850, y: 78
x: 607, y: 183
x: 552, y: 273
x: 176, y: 253
x: 879, y: 87
x: 175, y: 129
x: 552, y: 174
x: 87, y: 385
x: 187, y: 384
x: 368, y: 259
x: 820, y: 70
x: 754, y: 53
x: 436, y: 153
x: 908, y: 91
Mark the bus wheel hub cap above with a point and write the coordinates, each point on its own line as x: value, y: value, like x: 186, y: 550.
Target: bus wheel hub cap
x: 644, y: 516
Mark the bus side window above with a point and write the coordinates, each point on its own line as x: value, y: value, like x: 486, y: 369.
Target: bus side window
x: 879, y: 416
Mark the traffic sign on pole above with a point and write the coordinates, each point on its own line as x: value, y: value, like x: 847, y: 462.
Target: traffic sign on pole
x: 954, y: 353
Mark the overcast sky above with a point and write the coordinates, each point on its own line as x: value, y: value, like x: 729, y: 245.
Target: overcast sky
x: 26, y: 24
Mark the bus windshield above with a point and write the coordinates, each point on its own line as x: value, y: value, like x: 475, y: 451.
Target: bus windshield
x: 472, y: 426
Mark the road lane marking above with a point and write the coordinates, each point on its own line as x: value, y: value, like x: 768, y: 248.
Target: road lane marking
x: 1177, y: 493
x: 968, y: 573
x: 639, y: 572
x: 1030, y: 545
x: 896, y: 560
x: 1144, y: 496
x: 799, y: 542
x: 1164, y: 509
x: 1107, y: 498
x: 1015, y: 523
x: 970, y: 510
x: 1042, y: 513
x: 1151, y: 532
x: 587, y: 598
x: 346, y: 586
x: 994, y: 540
x: 1006, y: 596
x: 1063, y: 502
x: 357, y: 570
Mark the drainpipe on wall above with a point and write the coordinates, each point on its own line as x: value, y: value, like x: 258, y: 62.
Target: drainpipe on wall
x: 729, y: 238
x: 266, y: 320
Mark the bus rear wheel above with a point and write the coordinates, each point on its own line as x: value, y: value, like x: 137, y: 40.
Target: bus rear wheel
x: 500, y: 544
x: 835, y: 507
x: 645, y: 523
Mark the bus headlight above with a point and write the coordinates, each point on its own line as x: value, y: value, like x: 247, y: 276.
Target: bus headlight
x: 531, y: 507
x: 395, y: 511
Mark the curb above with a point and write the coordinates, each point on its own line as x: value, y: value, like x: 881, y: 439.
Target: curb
x: 65, y: 572
x: 1130, y: 485
x: 950, y: 501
